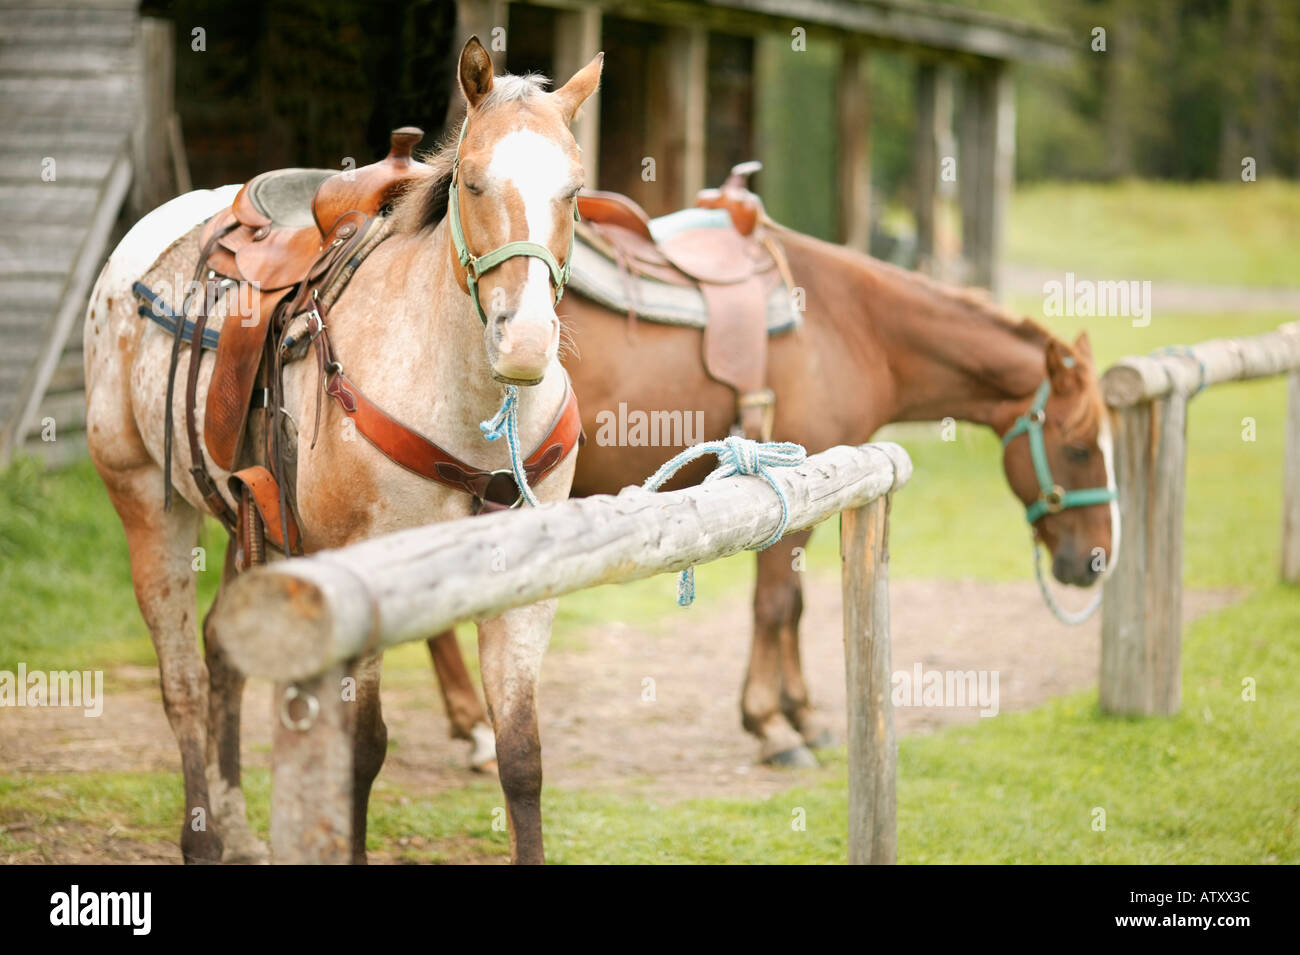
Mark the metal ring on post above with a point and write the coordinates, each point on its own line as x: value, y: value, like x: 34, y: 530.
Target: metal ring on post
x: 291, y: 693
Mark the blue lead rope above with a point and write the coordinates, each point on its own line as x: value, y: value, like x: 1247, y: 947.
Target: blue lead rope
x: 506, y: 421
x: 738, y: 456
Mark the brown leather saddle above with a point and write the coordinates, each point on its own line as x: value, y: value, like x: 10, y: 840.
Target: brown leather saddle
x: 295, y: 237
x: 734, y: 261
x: 276, y: 236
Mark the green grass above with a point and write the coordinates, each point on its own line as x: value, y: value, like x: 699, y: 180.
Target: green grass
x: 1224, y: 233
x: 65, y: 582
x: 1214, y: 784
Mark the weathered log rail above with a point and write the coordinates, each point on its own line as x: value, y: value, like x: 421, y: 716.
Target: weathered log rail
x: 303, y: 622
x: 1142, y: 610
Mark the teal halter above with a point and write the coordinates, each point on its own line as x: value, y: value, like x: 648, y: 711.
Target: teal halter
x: 1052, y: 497
x: 475, y: 266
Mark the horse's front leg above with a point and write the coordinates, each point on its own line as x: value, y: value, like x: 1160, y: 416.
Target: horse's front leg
x: 511, y: 648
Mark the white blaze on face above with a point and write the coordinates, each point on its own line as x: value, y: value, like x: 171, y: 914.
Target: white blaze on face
x: 539, y: 170
x: 1107, y: 445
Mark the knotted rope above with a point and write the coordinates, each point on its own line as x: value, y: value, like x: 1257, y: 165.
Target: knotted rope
x: 506, y: 421
x: 737, y: 456
x: 1183, y: 351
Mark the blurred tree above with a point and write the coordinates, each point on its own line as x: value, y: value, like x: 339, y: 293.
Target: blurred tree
x: 1184, y: 90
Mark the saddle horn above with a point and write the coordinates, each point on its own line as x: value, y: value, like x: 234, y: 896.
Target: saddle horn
x: 744, y: 206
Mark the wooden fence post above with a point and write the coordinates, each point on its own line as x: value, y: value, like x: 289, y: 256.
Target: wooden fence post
x: 987, y: 172
x: 873, y: 751
x: 678, y: 102
x: 1291, y: 485
x: 311, y: 771
x: 577, y: 40
x: 153, y: 162
x: 925, y: 165
x: 853, y: 116
x: 1141, y: 630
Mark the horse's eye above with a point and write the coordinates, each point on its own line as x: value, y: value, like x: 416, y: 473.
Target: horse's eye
x: 474, y: 189
x: 1077, y: 453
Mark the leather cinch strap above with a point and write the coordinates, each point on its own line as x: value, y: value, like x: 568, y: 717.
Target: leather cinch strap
x: 491, y: 490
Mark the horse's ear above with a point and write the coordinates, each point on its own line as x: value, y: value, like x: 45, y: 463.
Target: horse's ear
x: 475, y: 72
x: 575, y: 92
x: 1063, y: 368
x: 1083, y: 347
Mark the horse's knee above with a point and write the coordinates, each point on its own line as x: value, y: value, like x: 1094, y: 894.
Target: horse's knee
x: 519, y: 759
x: 185, y: 699
x: 778, y: 604
x: 371, y: 746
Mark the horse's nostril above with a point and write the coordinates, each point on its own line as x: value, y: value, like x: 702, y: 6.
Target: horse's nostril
x: 499, y: 324
x: 1069, y: 569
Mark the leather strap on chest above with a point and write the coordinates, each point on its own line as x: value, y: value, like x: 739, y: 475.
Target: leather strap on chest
x: 491, y: 490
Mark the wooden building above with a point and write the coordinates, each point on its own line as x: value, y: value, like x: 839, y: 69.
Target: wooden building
x: 91, y: 138
x: 693, y: 86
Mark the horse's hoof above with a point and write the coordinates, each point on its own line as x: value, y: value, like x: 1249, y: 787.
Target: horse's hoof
x: 202, y: 847
x: 249, y: 851
x: 798, y: 757
x: 820, y: 740
x: 483, y: 753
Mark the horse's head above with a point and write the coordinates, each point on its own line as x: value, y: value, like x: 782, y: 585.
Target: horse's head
x: 1057, y: 456
x: 511, y: 208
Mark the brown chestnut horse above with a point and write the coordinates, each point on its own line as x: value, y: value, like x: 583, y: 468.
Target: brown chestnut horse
x: 878, y: 345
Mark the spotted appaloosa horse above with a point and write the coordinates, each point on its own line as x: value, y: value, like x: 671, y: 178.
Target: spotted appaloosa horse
x: 878, y: 345
x: 411, y: 337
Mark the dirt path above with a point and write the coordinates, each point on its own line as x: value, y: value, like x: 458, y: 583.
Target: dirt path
x: 597, y: 731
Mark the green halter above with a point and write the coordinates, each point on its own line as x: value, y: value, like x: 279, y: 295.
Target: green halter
x: 475, y: 266
x: 1052, y: 497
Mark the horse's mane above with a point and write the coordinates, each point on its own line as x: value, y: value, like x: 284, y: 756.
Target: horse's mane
x: 1084, y: 416
x: 968, y: 304
x: 424, y: 205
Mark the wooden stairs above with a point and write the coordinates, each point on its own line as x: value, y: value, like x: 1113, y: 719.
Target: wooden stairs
x: 70, y: 95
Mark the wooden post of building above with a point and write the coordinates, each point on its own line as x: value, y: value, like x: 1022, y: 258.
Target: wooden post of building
x: 577, y: 40
x: 1141, y: 629
x: 987, y: 168
x: 478, y: 18
x: 873, y: 750
x: 151, y: 142
x: 853, y: 101
x: 311, y: 771
x: 676, y: 121
x: 1291, y: 485
x: 926, y: 164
